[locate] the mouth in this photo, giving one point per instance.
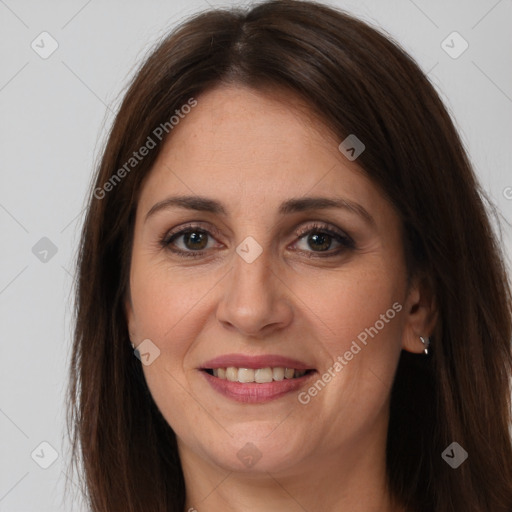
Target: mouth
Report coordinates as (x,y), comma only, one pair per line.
(256,379)
(256,375)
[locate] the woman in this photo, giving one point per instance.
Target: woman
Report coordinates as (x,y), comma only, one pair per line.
(287,230)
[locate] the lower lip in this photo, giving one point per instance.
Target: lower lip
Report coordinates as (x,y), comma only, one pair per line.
(254,392)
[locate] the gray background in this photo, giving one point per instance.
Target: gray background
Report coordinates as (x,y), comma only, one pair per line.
(54,115)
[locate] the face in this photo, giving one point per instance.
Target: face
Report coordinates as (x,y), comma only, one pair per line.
(279,319)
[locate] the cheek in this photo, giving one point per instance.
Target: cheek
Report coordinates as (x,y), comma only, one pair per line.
(169,311)
(167,303)
(348,304)
(360,321)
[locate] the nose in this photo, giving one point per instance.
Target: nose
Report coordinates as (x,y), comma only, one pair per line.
(255,301)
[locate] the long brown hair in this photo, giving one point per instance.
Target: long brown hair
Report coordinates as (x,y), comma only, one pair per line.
(359,81)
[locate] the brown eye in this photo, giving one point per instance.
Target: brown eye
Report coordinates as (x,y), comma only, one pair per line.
(191,241)
(320,241)
(320,238)
(195,240)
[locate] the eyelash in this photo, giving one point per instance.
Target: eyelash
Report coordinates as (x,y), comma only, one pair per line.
(344,240)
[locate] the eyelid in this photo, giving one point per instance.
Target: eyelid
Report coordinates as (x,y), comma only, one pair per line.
(325,228)
(193,225)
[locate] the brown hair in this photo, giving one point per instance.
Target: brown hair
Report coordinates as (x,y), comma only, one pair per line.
(357,81)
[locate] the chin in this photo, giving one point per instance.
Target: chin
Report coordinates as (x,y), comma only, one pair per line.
(255,452)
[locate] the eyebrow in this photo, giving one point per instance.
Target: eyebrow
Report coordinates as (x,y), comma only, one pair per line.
(301,204)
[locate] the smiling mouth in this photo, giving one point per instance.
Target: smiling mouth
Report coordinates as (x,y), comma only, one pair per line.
(257,375)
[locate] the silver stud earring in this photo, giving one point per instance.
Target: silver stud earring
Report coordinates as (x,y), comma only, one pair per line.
(426,343)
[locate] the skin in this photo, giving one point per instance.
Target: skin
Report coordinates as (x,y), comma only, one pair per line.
(251,151)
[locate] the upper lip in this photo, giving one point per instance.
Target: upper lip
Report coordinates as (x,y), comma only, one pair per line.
(254,362)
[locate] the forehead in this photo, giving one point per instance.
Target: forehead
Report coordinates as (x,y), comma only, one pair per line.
(242,145)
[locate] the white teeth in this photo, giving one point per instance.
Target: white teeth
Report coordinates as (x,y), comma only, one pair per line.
(278,373)
(232,374)
(245,375)
(260,375)
(263,375)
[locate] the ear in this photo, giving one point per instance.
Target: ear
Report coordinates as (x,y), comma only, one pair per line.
(421,314)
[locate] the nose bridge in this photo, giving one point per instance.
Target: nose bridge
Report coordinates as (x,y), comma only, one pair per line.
(253,297)
(251,279)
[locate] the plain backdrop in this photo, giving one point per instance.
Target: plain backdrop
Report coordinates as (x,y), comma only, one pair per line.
(55,112)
